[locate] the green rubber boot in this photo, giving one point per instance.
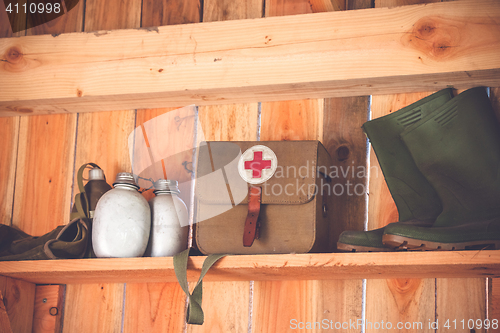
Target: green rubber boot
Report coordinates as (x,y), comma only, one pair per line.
(416,200)
(457,148)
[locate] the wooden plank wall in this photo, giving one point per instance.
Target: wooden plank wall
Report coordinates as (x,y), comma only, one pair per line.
(39,156)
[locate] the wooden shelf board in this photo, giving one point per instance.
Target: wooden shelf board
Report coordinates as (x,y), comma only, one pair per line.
(347,53)
(325,266)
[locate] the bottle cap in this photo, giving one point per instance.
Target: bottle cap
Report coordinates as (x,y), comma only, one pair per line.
(166,185)
(125,178)
(96,174)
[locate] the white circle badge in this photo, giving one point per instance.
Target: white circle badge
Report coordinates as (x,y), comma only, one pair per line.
(257,164)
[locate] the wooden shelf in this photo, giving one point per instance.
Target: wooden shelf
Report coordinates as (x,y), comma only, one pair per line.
(326,266)
(347,53)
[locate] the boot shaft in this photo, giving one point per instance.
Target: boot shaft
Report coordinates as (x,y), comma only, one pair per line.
(457,148)
(414,196)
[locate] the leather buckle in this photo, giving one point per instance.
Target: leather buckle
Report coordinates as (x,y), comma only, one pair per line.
(251,231)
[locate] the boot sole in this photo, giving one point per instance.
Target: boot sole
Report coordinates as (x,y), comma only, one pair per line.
(359,248)
(404,243)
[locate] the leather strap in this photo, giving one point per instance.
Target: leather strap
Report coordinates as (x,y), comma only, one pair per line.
(194,311)
(250,232)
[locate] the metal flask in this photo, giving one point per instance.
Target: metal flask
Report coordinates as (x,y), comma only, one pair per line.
(95,188)
(122,221)
(169,227)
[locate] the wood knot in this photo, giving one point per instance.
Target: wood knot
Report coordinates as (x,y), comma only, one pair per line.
(342,153)
(426,30)
(79,93)
(14,55)
(403,286)
(14,60)
(16,293)
(437,38)
(20,109)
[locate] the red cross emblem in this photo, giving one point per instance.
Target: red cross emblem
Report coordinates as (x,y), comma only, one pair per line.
(257,164)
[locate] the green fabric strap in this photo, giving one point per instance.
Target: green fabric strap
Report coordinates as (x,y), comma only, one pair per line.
(82,196)
(194,312)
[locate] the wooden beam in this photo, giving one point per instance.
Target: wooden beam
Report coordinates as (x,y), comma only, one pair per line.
(372,51)
(324,266)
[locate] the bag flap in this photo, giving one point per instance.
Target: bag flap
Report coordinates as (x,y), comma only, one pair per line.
(222,166)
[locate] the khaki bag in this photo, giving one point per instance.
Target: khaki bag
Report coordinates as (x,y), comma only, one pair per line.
(263,197)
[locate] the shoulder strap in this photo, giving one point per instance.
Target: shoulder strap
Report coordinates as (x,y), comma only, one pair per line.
(194,312)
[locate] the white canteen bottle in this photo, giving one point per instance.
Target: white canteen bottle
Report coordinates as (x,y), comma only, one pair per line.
(169,227)
(122,221)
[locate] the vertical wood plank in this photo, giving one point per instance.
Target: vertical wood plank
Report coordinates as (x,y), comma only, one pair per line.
(494,303)
(494,284)
(8,151)
(154,307)
(358,4)
(460,299)
(4,317)
(19,300)
(44,172)
(226,304)
(291,120)
(103,139)
(5,28)
(396,3)
(112,14)
(236,122)
(48,308)
(294,7)
(346,143)
(225,307)
(165,12)
(69,22)
(93,308)
(279,306)
(223,10)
